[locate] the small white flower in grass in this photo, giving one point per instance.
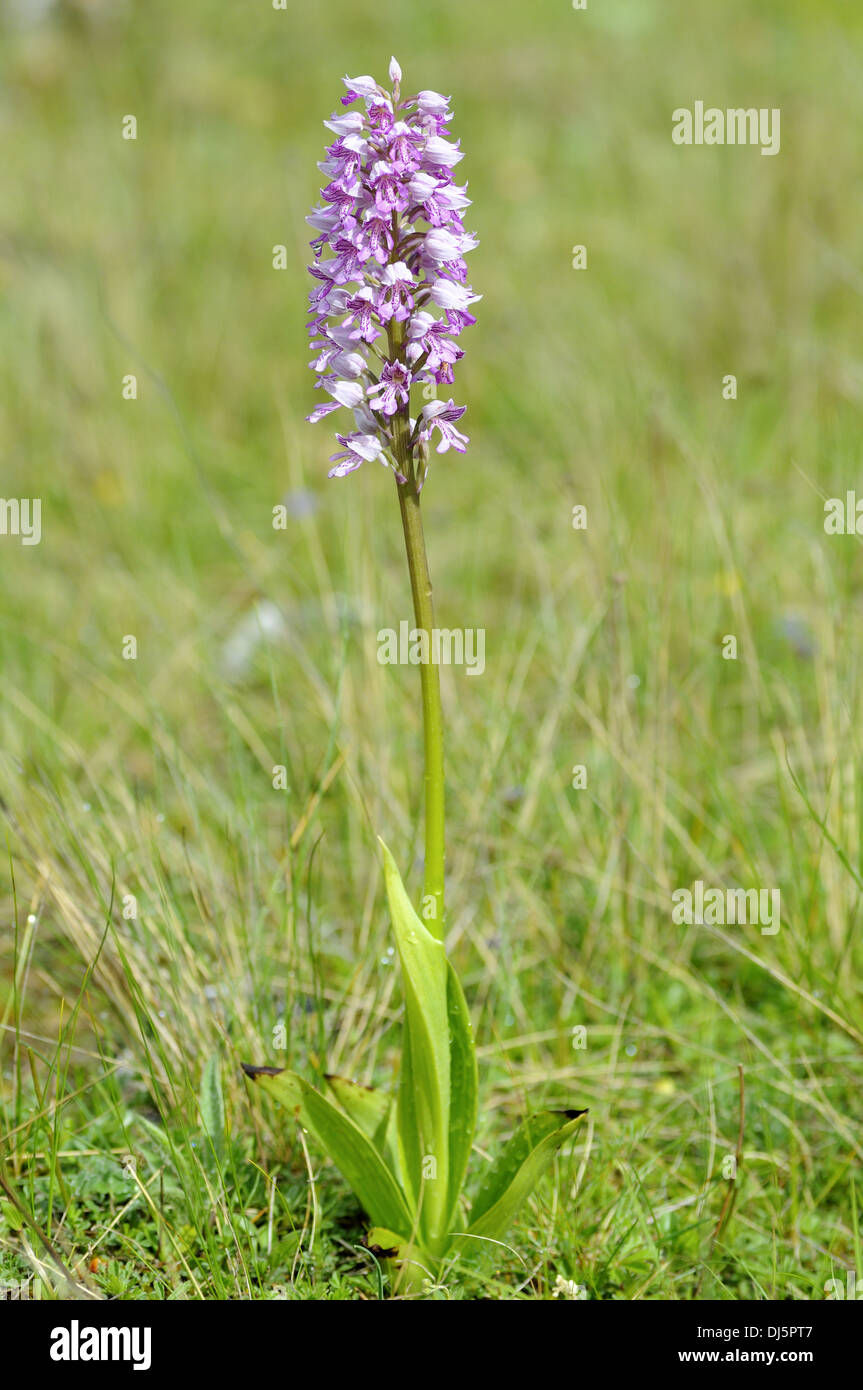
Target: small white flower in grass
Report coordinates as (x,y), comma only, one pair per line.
(567,1288)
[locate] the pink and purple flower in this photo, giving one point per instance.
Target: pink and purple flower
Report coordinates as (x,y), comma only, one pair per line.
(389,250)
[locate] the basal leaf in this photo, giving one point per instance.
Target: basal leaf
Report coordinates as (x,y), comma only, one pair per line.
(351,1150)
(463,1088)
(518,1169)
(501,1171)
(424,1084)
(374,1112)
(407,1126)
(367,1107)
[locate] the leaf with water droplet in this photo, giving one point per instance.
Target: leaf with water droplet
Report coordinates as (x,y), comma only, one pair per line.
(518,1168)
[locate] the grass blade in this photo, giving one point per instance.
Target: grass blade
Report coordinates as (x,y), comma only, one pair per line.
(212,1107)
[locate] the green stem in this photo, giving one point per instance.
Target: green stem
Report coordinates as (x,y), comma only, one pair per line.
(421,590)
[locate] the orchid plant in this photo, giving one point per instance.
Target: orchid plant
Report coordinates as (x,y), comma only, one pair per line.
(391,223)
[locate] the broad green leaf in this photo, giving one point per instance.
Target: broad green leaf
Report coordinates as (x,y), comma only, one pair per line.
(407,1125)
(212,1107)
(463,1088)
(375,1114)
(518,1169)
(351,1150)
(367,1107)
(501,1171)
(424,1084)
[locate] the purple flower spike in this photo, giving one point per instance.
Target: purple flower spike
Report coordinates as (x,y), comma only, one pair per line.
(390,289)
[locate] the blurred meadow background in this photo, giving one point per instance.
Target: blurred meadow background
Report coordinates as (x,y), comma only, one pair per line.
(129,1140)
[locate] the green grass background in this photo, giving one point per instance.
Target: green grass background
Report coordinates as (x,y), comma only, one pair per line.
(602,387)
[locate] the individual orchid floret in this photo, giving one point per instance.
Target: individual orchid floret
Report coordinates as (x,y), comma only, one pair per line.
(389,191)
(433,104)
(448,295)
(359,448)
(361,307)
(394,388)
(429,343)
(390,295)
(440,153)
(396,300)
(440,417)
